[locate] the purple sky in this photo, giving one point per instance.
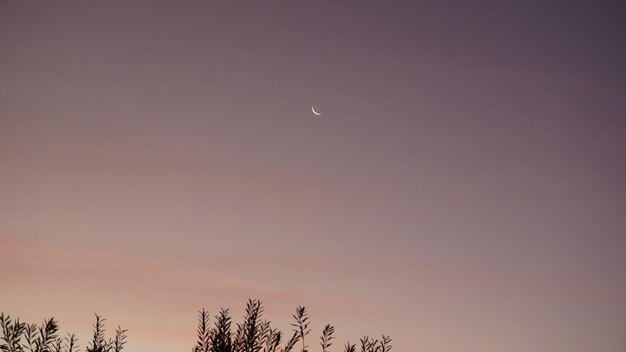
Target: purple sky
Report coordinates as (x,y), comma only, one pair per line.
(464,189)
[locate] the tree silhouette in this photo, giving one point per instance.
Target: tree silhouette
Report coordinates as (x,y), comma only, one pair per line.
(253,334)
(20,337)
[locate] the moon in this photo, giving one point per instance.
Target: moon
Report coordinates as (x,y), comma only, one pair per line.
(315,112)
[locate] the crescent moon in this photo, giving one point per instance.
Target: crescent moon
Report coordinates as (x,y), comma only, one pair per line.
(315,112)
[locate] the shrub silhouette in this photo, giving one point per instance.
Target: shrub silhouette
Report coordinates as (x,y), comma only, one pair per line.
(20,337)
(253,334)
(98,342)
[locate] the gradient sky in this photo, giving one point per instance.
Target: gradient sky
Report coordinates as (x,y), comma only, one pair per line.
(464,189)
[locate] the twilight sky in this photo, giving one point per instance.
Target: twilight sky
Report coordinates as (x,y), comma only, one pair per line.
(464,189)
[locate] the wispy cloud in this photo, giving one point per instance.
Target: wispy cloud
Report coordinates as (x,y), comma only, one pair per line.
(39,261)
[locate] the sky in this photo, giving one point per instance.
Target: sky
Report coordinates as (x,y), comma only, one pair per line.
(463,190)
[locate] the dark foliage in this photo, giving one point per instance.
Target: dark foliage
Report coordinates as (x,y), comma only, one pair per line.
(20,337)
(253,334)
(327,336)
